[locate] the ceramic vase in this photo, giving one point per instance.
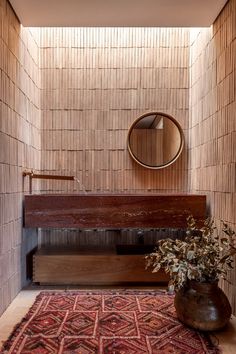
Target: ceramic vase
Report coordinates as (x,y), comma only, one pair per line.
(202,306)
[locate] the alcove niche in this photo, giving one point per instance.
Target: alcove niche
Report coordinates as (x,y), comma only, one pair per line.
(68,98)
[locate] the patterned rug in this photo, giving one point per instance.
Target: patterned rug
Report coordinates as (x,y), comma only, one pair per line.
(105,322)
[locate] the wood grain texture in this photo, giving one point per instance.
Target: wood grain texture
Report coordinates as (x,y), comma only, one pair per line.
(112,211)
(71,268)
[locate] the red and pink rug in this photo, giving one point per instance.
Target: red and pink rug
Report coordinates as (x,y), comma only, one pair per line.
(105,322)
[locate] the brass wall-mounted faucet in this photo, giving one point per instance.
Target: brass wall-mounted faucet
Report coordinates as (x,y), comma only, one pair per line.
(32,175)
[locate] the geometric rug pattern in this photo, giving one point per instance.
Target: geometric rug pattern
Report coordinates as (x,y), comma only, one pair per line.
(105,322)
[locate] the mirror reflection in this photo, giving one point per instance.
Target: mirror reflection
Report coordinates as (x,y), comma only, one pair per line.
(155,140)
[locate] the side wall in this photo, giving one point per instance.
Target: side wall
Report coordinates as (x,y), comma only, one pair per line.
(212,135)
(19,146)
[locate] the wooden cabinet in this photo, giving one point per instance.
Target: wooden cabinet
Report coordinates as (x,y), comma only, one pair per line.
(92,267)
(95,211)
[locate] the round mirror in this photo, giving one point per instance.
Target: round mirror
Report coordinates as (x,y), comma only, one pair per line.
(155,140)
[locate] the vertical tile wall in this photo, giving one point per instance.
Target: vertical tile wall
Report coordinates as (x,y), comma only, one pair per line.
(95,83)
(212,134)
(19,145)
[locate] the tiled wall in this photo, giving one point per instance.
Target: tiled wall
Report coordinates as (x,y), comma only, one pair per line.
(19,145)
(95,83)
(212,135)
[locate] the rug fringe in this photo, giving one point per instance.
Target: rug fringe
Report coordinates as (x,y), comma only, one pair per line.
(16,329)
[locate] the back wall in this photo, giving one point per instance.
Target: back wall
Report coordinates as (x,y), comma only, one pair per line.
(95,83)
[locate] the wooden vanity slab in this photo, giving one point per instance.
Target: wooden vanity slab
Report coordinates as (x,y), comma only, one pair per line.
(112,210)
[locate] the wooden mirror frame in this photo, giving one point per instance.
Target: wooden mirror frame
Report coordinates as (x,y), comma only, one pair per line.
(178,152)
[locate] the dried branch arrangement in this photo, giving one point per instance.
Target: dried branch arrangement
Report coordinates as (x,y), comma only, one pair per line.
(205,255)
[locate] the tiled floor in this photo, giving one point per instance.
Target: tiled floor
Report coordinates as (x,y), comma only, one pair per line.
(23,301)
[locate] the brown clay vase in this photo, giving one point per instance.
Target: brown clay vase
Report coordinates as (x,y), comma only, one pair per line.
(203,306)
